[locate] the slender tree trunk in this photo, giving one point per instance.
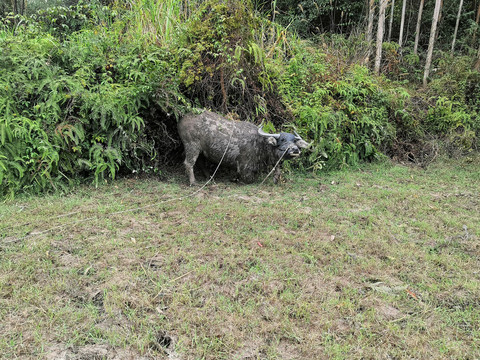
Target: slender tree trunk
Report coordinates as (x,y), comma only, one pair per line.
(371,14)
(431,42)
(391,21)
(274,3)
(380,30)
(456,25)
(332,15)
(417,31)
(439,22)
(342,13)
(14,7)
(402,23)
(477,20)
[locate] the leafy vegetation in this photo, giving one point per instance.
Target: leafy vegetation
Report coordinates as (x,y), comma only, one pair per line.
(94,89)
(72,106)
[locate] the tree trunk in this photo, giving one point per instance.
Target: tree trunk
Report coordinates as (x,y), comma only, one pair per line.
(371,14)
(14,7)
(402,23)
(431,42)
(439,22)
(380,30)
(417,31)
(274,5)
(456,25)
(332,15)
(391,21)
(477,20)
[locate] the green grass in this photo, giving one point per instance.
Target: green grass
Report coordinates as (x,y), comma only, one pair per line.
(380,262)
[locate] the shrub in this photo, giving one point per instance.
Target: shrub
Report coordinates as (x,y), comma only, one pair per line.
(347,117)
(452,121)
(70,108)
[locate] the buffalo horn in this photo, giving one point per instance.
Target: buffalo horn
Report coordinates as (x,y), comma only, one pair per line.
(298,137)
(263,133)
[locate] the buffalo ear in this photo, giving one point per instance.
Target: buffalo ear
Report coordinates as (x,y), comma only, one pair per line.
(272,141)
(302,144)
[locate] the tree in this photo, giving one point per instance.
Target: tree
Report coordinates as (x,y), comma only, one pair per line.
(380,30)
(402,23)
(15,6)
(431,42)
(391,21)
(439,22)
(417,31)
(371,14)
(456,25)
(477,19)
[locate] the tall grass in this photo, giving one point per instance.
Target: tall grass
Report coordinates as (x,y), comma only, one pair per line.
(160,20)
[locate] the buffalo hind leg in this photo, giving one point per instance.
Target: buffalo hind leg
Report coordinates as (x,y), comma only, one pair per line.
(203,165)
(191,156)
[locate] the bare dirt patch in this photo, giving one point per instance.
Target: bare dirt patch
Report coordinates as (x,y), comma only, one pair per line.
(91,352)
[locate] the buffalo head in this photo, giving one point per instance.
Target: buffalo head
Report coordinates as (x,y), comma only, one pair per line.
(285,144)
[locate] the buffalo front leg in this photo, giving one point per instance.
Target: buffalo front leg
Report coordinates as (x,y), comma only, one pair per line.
(191,156)
(278,172)
(245,172)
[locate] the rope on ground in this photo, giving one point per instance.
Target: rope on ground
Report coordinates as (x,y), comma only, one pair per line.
(270,173)
(96,217)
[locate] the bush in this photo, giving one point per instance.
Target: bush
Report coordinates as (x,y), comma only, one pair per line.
(70,108)
(347,117)
(452,121)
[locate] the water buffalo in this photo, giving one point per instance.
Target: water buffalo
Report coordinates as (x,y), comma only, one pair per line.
(243,146)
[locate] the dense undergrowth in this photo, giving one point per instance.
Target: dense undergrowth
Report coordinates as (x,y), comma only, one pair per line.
(91,91)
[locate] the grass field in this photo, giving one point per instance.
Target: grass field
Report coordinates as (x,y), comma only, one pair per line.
(377,263)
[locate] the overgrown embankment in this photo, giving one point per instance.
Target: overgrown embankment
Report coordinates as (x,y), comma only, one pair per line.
(91,91)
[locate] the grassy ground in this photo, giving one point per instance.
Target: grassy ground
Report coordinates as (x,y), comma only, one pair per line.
(382,262)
